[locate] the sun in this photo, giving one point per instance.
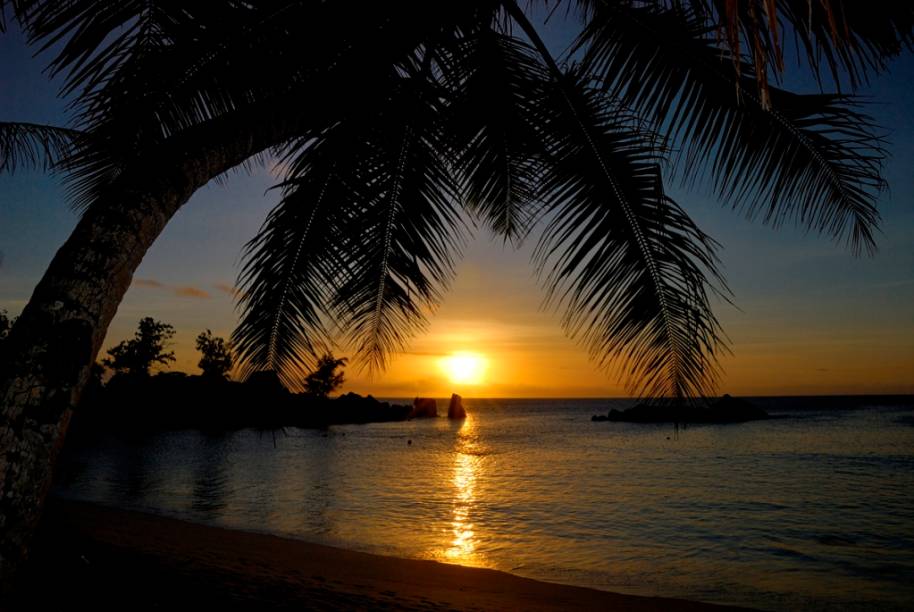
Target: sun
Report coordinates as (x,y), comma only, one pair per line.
(464,368)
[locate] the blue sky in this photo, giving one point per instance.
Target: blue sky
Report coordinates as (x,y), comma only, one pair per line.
(811,318)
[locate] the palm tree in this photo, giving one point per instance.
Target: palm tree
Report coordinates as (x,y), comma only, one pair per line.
(395,121)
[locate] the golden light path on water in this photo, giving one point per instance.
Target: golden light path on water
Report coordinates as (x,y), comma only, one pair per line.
(462,546)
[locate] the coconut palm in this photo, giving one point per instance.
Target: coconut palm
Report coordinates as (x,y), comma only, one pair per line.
(398,122)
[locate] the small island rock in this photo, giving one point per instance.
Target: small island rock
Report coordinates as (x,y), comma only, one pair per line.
(727,409)
(455,409)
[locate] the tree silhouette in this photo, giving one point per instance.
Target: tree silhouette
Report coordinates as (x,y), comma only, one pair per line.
(146,349)
(396,126)
(5,324)
(325,379)
(216,355)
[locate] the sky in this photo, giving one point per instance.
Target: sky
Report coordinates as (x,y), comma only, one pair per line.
(808,317)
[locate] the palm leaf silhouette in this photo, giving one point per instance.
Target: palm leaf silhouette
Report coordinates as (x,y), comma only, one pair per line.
(414,121)
(31,145)
(627,263)
(812,159)
(495,78)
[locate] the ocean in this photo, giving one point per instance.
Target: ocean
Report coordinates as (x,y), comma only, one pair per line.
(812,510)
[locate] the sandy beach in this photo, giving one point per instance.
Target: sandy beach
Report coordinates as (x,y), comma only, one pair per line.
(106,558)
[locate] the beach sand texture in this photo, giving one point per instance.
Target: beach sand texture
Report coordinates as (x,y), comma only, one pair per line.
(87,555)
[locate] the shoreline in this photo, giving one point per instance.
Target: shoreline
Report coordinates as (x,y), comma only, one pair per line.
(110,558)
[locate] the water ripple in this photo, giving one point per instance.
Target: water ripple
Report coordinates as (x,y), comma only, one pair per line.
(812,511)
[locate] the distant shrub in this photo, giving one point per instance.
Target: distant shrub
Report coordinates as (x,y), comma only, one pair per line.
(216,360)
(325,379)
(5,324)
(146,349)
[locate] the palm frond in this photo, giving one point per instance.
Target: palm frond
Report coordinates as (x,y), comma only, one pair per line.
(144,72)
(632,270)
(138,72)
(839,39)
(365,237)
(629,266)
(31,145)
(812,159)
(494,78)
(284,284)
(402,245)
(14,10)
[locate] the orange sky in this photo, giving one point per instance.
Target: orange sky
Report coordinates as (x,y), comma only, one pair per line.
(811,318)
(815,345)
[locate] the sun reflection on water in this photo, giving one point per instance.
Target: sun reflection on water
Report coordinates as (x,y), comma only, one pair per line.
(462,545)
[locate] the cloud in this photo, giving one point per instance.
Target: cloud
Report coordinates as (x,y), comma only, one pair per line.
(148,282)
(227,289)
(183,291)
(192,292)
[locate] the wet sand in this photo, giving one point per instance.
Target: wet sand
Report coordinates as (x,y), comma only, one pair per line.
(87,555)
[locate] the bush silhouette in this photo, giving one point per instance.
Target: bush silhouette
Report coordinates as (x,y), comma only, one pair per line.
(324,380)
(216,360)
(146,349)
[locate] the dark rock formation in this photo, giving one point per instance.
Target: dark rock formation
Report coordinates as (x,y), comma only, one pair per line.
(355,409)
(455,409)
(424,407)
(727,409)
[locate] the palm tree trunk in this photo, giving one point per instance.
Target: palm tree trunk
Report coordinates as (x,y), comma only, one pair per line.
(46,359)
(52,346)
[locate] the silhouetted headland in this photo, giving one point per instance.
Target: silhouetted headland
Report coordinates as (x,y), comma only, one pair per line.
(726,409)
(178,401)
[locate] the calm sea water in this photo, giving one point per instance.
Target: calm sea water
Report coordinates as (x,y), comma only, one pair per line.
(814,510)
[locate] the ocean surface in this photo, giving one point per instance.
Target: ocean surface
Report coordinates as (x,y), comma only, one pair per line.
(812,510)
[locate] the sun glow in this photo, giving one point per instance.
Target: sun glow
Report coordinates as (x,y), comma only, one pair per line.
(465,368)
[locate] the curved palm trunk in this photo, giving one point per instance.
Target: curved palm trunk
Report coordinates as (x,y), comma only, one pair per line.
(46,359)
(51,349)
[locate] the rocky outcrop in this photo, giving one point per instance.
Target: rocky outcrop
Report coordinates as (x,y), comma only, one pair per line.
(727,409)
(353,408)
(424,407)
(455,409)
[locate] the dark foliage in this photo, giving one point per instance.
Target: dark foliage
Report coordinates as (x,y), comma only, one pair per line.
(422,120)
(135,357)
(325,379)
(173,400)
(215,355)
(29,145)
(812,159)
(5,324)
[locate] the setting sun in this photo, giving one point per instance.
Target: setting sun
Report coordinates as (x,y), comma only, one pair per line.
(465,368)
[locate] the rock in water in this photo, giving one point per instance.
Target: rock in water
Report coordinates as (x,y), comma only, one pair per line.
(455,410)
(424,407)
(724,410)
(727,409)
